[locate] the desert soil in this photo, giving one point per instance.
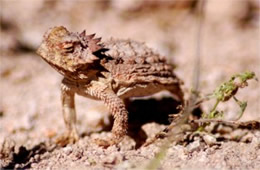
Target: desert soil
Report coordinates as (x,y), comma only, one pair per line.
(30,108)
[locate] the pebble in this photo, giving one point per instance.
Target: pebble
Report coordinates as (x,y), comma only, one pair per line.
(16,166)
(209,139)
(194,146)
(67,150)
(31,160)
(46,155)
(37,157)
(33,165)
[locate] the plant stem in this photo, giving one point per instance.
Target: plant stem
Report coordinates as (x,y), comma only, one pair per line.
(211,115)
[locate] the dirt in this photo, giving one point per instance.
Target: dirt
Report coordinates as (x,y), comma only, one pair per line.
(30,108)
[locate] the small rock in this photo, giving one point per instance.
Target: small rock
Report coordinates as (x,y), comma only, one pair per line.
(113,159)
(194,146)
(31,160)
(33,165)
(46,155)
(67,150)
(210,140)
(17,166)
(37,157)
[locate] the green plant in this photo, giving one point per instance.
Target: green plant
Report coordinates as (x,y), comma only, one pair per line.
(228,90)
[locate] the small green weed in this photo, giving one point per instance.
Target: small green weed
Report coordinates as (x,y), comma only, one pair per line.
(228,90)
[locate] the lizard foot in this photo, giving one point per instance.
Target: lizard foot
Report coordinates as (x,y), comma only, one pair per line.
(105,143)
(67,138)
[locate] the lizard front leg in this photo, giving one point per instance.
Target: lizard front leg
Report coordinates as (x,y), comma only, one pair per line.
(69,115)
(117,108)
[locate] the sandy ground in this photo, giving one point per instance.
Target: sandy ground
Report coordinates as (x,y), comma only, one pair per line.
(30,109)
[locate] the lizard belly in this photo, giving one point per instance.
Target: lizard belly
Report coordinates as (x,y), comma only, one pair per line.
(140,90)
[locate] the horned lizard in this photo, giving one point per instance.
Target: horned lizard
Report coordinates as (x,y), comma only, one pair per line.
(111,71)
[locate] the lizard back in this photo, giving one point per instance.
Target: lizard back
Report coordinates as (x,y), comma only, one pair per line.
(131,62)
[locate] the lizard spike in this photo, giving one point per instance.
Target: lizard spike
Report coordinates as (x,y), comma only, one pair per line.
(94,47)
(83,34)
(91,36)
(96,40)
(89,61)
(93,57)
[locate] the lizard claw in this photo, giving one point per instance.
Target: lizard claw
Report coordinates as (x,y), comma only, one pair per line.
(67,138)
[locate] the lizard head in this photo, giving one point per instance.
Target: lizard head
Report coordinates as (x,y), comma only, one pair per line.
(68,52)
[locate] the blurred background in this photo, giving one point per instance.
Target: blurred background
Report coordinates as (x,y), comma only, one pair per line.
(229,40)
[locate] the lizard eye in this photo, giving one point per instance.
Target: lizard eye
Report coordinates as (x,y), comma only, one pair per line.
(68,47)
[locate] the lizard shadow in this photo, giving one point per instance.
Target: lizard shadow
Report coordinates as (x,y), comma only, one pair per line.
(142,111)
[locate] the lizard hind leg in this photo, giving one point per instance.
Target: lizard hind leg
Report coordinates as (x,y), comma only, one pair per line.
(117,108)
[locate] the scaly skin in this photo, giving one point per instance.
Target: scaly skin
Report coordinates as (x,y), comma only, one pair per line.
(110,71)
